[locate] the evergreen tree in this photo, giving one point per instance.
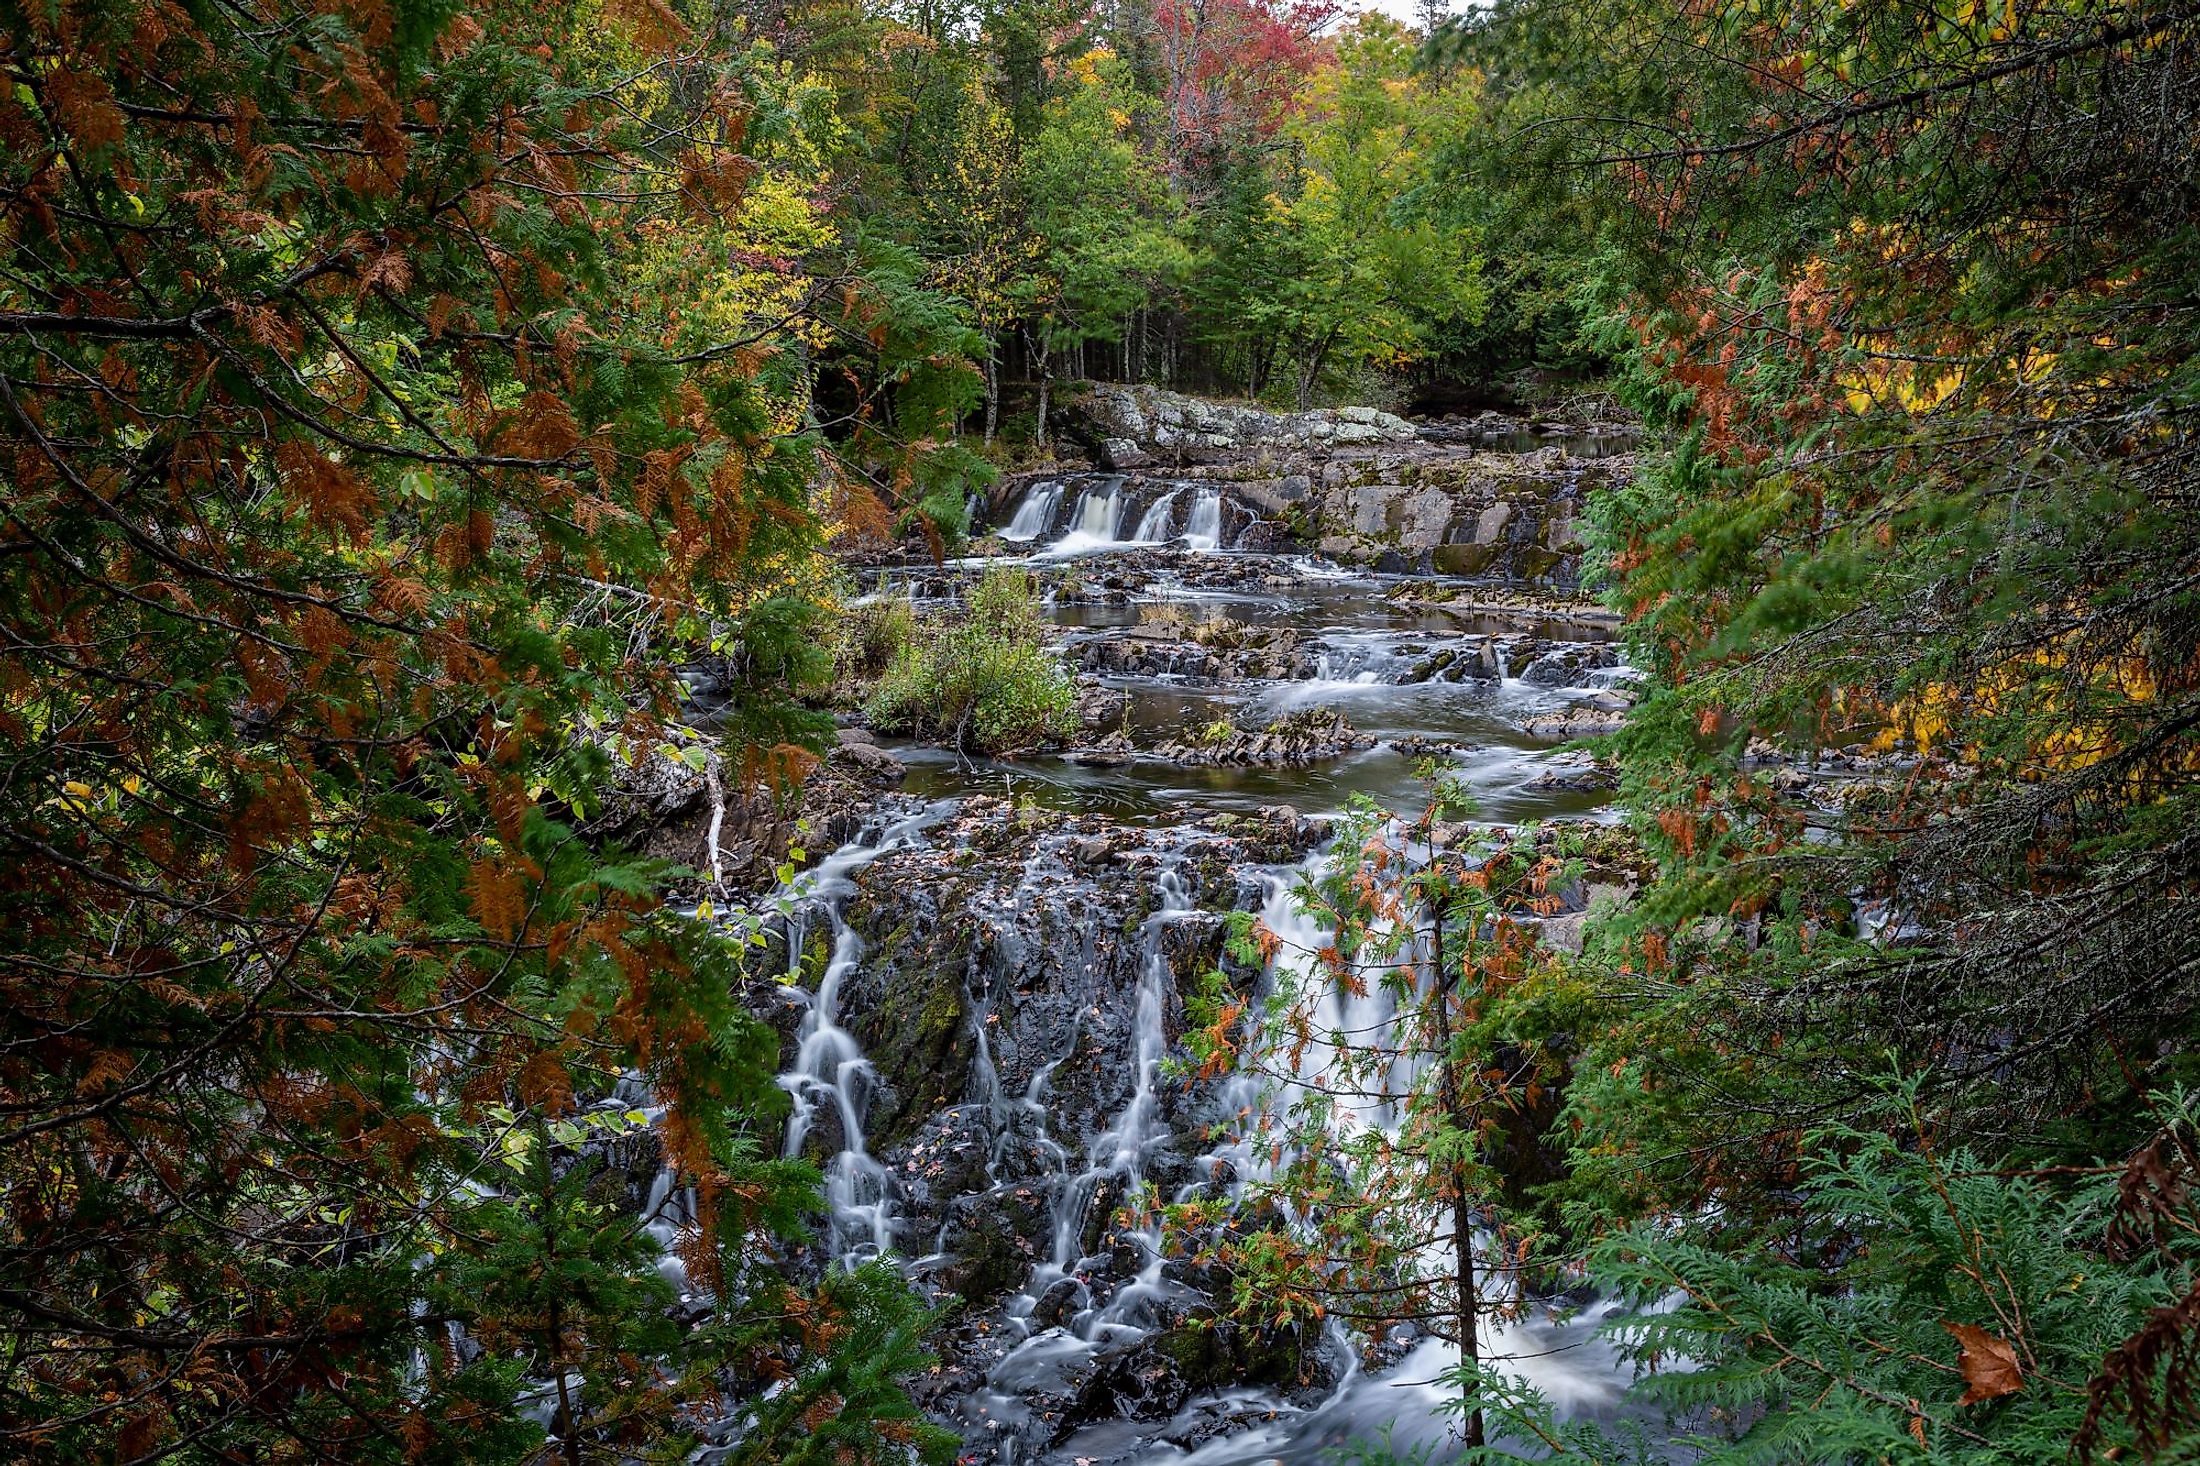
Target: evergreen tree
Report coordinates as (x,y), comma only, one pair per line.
(361,491)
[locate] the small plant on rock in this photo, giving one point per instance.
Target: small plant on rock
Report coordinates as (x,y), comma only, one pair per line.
(981,680)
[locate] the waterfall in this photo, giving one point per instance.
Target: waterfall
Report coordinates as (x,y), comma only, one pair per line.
(1346,664)
(1560,1353)
(1099,513)
(1115,1161)
(1035,515)
(1204,530)
(829,1067)
(668,1216)
(1153,527)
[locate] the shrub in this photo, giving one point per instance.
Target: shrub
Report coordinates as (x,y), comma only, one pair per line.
(872,636)
(981,680)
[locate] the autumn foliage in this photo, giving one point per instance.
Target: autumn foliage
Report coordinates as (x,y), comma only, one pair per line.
(350,505)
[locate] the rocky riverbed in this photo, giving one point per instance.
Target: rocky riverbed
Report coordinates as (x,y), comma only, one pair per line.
(991,967)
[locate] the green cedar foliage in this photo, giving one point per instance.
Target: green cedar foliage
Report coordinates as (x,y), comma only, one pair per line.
(1925,362)
(1922,1308)
(363,480)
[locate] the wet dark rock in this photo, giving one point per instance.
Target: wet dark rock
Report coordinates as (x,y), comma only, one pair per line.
(1267,537)
(1583,720)
(1274,834)
(1551,614)
(1113,751)
(1574,773)
(1299,738)
(1053,1308)
(1569,665)
(945,1160)
(995,1238)
(858,749)
(907,1007)
(1473,661)
(1117,584)
(1155,1377)
(1099,709)
(1220,650)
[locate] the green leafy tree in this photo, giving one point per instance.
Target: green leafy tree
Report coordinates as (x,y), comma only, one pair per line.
(1359,276)
(1107,222)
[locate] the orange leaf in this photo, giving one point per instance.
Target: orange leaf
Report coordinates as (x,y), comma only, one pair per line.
(1988,1364)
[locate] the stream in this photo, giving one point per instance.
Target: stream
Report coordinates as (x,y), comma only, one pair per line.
(1013,937)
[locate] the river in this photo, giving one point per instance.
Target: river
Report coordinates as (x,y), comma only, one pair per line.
(1052,975)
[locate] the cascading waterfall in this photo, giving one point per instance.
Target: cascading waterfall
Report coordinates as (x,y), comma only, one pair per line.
(668,1216)
(1035,515)
(1098,513)
(1153,525)
(1348,662)
(1095,521)
(830,1070)
(1026,1173)
(1115,1169)
(1121,1152)
(1203,531)
(1565,1357)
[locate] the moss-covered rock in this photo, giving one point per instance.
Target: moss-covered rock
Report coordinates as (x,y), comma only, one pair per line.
(917,1036)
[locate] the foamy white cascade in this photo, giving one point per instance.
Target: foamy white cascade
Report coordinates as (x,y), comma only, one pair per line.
(1153,525)
(1099,513)
(1035,515)
(830,1070)
(1203,531)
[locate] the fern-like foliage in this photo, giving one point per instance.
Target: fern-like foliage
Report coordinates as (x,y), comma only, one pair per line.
(1924,1308)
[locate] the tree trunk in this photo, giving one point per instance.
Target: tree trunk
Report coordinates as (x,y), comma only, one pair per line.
(1041,360)
(992,388)
(1462,1214)
(567,1427)
(1310,371)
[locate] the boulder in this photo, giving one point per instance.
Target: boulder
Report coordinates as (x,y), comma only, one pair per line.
(1304,737)
(995,1238)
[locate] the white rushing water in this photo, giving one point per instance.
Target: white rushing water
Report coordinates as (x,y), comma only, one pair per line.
(1203,531)
(1095,522)
(1035,515)
(1113,1175)
(830,1072)
(1562,1354)
(1097,1280)
(1153,525)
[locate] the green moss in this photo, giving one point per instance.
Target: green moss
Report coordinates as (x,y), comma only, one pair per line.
(918,1037)
(1463,559)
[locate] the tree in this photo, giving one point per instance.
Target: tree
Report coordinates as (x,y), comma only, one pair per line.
(1104,218)
(1358,275)
(361,492)
(1230,73)
(1904,294)
(1394,1078)
(1930,387)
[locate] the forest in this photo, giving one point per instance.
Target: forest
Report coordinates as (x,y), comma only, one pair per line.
(1086,732)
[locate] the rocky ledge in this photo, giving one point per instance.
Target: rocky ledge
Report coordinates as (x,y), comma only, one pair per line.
(1361,485)
(1304,737)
